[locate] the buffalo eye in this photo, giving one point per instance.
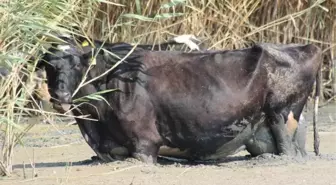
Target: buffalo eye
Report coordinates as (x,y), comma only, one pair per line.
(77,66)
(58,66)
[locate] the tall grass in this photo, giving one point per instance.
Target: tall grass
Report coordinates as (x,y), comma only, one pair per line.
(24,28)
(27,26)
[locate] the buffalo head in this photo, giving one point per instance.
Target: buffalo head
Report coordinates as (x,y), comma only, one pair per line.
(65,66)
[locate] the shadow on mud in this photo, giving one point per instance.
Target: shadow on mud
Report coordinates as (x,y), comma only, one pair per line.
(161,161)
(171,161)
(243,161)
(55,164)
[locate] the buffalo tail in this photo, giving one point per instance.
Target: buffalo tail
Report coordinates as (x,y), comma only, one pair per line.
(315,115)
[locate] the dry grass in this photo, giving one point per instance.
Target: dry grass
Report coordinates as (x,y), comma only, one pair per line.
(228,24)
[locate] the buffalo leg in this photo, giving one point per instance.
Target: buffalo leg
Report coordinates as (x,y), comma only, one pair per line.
(296,125)
(300,135)
(98,139)
(146,151)
(108,145)
(147,143)
(139,126)
(90,133)
(281,134)
(263,141)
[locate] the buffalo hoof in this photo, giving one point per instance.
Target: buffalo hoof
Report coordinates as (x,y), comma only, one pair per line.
(95,158)
(145,158)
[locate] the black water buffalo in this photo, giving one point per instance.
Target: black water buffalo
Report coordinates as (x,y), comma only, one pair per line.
(204,104)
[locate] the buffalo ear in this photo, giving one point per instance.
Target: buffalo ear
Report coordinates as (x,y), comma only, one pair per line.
(87,50)
(85,45)
(88,53)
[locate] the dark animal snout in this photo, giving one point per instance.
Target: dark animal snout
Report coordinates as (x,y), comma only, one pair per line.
(63,96)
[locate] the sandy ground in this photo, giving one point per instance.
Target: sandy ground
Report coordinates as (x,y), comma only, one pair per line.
(62,157)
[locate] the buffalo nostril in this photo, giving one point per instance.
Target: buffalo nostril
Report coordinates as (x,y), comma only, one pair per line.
(63,96)
(61,87)
(66,94)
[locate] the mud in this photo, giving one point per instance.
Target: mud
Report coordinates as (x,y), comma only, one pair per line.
(61,156)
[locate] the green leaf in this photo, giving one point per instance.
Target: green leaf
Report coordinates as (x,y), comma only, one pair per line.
(156,17)
(172,3)
(112,3)
(94,96)
(139,17)
(168,15)
(138,6)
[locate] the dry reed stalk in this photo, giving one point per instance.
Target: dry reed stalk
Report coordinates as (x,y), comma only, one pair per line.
(333,56)
(24,170)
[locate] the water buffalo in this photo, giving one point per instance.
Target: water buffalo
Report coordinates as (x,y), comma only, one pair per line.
(205,105)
